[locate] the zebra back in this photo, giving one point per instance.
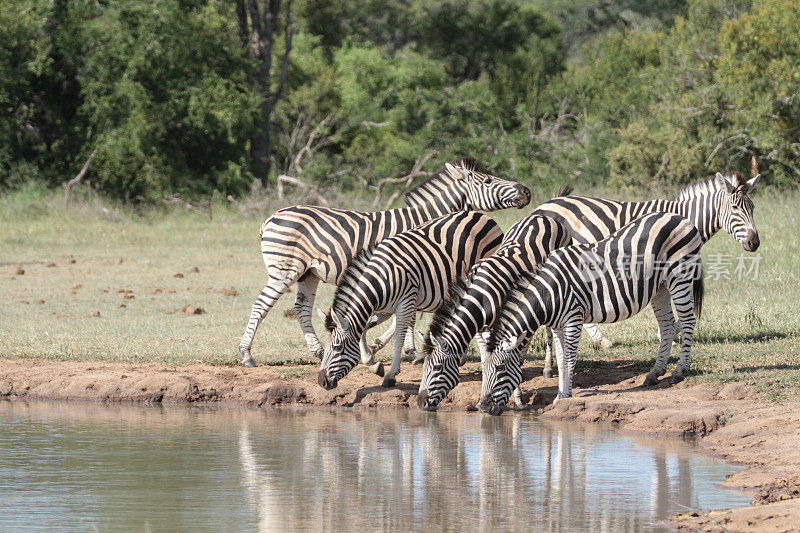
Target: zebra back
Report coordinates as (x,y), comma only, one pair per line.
(711,204)
(325,240)
(607,281)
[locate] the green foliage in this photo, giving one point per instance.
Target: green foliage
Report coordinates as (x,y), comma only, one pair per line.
(759,67)
(638,94)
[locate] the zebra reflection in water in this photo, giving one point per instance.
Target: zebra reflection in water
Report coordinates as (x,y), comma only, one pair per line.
(390,470)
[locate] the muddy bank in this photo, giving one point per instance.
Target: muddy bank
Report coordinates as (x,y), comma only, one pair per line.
(730,420)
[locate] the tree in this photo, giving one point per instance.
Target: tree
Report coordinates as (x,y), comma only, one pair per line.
(258,30)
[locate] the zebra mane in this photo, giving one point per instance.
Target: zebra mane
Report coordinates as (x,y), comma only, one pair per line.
(564,190)
(416,197)
(350,280)
(708,185)
(442,316)
(517,290)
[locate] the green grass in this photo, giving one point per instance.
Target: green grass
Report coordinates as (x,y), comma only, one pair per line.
(750,330)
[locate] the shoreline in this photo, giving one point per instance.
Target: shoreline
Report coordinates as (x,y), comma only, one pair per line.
(730,421)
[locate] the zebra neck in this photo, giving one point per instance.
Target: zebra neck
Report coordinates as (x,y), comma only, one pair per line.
(703,211)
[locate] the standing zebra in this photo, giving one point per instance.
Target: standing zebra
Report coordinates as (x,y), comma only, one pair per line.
(409,272)
(711,204)
(474,302)
(651,260)
(306,244)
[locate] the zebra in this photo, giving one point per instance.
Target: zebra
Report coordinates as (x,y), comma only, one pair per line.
(408,272)
(309,244)
(654,259)
(474,302)
(717,202)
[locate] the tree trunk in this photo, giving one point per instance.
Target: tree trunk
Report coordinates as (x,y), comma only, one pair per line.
(257,24)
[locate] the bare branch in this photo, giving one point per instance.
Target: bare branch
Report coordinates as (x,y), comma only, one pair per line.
(416,171)
(306,187)
(310,147)
(78,178)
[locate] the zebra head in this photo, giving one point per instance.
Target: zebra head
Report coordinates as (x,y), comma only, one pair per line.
(485,192)
(439,372)
(502,373)
(341,352)
(736,211)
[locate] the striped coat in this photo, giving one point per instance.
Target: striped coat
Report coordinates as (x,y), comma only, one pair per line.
(474,302)
(655,259)
(406,273)
(308,244)
(720,202)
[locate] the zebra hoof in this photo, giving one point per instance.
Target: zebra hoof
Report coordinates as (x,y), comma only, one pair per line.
(319,353)
(388,382)
(547,374)
(377,368)
(248,362)
(650,381)
(676,378)
(374,349)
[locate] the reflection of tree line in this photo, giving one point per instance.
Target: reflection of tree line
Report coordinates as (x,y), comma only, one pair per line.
(408,470)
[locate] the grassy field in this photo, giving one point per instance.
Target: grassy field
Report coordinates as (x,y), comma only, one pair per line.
(105,283)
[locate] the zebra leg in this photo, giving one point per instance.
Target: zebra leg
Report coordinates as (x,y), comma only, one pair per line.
(548,354)
(662,307)
(368,358)
(404,315)
(384,339)
(683,299)
(516,396)
(409,347)
(566,355)
(483,348)
(269,295)
(597,336)
(306,293)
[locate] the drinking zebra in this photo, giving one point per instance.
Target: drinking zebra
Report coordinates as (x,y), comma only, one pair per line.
(711,204)
(651,260)
(408,272)
(308,244)
(474,302)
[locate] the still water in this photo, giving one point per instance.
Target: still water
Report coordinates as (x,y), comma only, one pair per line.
(90,467)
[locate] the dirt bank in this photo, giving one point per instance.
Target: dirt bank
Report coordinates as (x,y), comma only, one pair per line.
(731,421)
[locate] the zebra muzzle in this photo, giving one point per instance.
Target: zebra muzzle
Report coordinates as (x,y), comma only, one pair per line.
(324,382)
(486,405)
(424,401)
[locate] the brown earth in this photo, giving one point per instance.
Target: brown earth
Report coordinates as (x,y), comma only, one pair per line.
(730,420)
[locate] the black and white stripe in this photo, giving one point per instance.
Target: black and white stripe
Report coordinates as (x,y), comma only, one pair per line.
(474,302)
(711,204)
(409,272)
(654,259)
(308,244)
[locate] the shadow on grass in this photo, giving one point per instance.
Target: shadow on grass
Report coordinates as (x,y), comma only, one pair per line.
(753,336)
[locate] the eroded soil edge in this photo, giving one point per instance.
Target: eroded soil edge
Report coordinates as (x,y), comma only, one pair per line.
(731,421)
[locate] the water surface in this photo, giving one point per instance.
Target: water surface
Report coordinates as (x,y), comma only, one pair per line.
(91,467)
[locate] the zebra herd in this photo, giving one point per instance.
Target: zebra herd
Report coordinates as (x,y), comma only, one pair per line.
(573,262)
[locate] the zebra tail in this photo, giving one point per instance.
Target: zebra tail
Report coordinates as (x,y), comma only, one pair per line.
(564,190)
(698,289)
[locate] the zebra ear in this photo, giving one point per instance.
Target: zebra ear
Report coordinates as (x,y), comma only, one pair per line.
(751,183)
(423,337)
(456,173)
(340,322)
(322,314)
(486,334)
(728,185)
(509,344)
